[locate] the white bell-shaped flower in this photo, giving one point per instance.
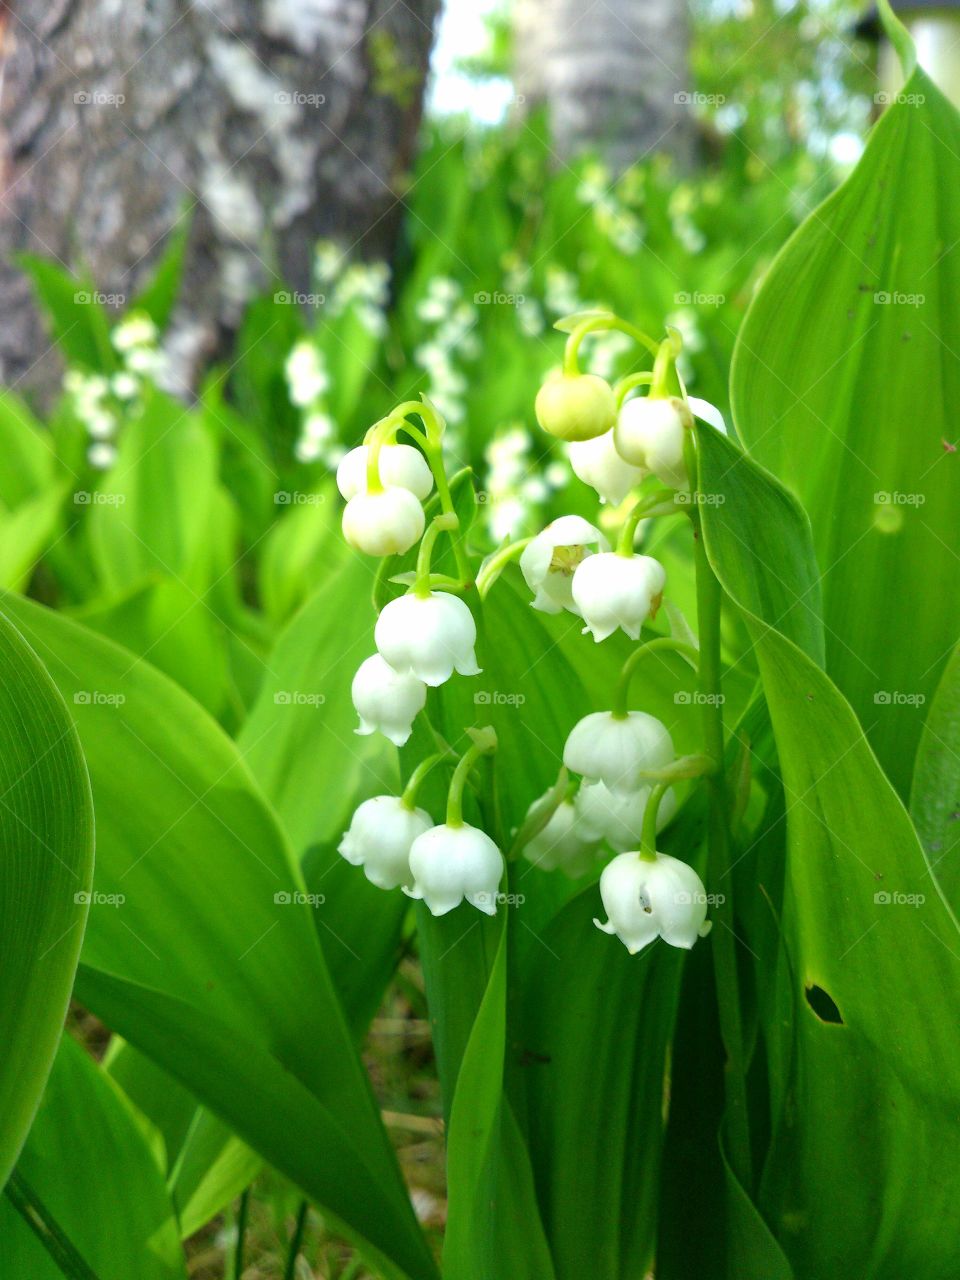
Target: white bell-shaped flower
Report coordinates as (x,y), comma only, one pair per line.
(650,433)
(562,844)
(400,466)
(429,637)
(707,412)
(549,562)
(379,839)
(386,701)
(617,816)
(453,864)
(597,463)
(646,899)
(611,590)
(615,749)
(385,523)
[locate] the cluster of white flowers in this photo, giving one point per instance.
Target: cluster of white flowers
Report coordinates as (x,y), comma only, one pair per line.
(102,403)
(613,217)
(449,321)
(615,791)
(515,483)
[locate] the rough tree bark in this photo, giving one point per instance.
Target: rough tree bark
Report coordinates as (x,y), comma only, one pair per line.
(269,122)
(613,74)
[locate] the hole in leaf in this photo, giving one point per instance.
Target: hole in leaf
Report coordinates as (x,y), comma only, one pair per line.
(823,1004)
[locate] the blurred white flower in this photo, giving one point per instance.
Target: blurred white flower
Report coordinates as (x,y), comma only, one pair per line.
(562,843)
(306,374)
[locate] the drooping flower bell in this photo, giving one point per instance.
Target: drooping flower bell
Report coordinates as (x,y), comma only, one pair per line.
(650,433)
(549,562)
(385,522)
(453,864)
(616,749)
(576,406)
(649,898)
(428,636)
(562,843)
(380,837)
(597,463)
(613,590)
(400,467)
(387,701)
(617,816)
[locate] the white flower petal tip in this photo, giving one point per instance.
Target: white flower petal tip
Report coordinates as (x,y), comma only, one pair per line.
(383,524)
(380,837)
(387,701)
(615,750)
(650,433)
(707,412)
(400,466)
(597,463)
(549,562)
(563,844)
(611,591)
(645,900)
(450,865)
(428,637)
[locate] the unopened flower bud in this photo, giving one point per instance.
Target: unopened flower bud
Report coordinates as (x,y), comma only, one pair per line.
(576,406)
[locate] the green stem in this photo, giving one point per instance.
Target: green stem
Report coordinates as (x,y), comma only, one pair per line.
(594,324)
(643,507)
(409,797)
(297,1240)
(484,742)
(709,604)
(660,645)
(47,1230)
(238,1251)
(446,523)
(495,564)
(648,835)
(623,388)
(666,355)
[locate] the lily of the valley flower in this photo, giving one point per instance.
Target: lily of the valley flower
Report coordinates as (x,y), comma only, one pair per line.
(563,843)
(613,590)
(617,816)
(381,833)
(576,406)
(646,899)
(452,864)
(428,636)
(386,701)
(650,433)
(387,522)
(400,466)
(597,463)
(549,562)
(615,750)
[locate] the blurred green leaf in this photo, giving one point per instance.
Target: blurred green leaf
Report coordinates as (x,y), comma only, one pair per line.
(935,794)
(77,320)
(46,869)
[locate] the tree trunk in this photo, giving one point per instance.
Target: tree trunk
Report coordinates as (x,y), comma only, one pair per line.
(613,74)
(269,124)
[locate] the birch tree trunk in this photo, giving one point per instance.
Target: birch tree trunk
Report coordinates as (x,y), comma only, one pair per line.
(613,73)
(269,123)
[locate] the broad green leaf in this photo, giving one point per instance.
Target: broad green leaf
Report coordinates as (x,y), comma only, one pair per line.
(26,452)
(935,795)
(202,953)
(301,745)
(77,319)
(844,385)
(159,295)
(89,1163)
(860,1171)
(25,534)
(46,870)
